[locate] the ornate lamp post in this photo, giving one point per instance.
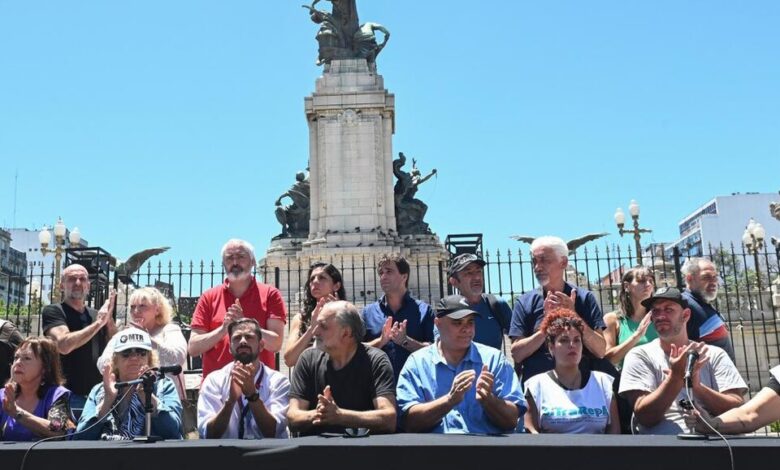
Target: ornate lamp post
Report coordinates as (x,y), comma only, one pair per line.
(753,239)
(620,220)
(44,237)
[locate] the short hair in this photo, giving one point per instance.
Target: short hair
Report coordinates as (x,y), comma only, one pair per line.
(692,266)
(72,267)
(347,315)
(243,244)
(45,349)
(626,305)
(400,263)
(156,298)
(245,321)
(558,321)
(557,244)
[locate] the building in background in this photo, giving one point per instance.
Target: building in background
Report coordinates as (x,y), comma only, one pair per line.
(722,221)
(13,272)
(39,266)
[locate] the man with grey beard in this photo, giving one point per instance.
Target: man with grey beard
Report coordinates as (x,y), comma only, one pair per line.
(238,297)
(706,323)
(341,383)
(245,399)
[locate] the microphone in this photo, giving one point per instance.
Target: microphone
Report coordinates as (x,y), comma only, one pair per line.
(693,356)
(174,370)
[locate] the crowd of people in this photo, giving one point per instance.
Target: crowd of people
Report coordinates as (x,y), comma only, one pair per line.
(397,365)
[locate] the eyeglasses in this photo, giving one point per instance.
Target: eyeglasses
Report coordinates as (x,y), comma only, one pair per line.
(127,353)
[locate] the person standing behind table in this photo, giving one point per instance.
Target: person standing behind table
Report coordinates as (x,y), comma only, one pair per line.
(397,323)
(80,333)
(323,284)
(152,312)
(706,323)
(567,399)
(550,257)
(466,274)
(238,297)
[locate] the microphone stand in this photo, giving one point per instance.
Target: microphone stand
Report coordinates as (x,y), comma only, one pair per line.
(688,405)
(148,382)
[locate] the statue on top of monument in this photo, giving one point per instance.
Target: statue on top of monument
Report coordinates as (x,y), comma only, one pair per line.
(295,216)
(409,211)
(341,36)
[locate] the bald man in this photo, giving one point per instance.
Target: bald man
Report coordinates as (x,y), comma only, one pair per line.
(81,333)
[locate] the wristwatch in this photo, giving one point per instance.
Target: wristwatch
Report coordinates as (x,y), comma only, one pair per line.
(405,343)
(253,397)
(19,415)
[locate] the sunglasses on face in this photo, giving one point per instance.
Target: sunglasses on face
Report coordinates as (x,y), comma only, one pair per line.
(127,353)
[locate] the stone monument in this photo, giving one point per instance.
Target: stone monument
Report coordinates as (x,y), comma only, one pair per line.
(356,212)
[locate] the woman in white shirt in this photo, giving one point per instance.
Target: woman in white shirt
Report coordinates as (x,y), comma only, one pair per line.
(565,399)
(152,312)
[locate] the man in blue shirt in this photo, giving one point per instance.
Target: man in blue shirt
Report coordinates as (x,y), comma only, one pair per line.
(456,385)
(550,256)
(706,324)
(397,323)
(466,274)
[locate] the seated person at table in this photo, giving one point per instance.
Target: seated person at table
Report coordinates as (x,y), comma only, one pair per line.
(762,410)
(653,376)
(112,414)
(566,399)
(341,383)
(245,399)
(35,404)
(457,385)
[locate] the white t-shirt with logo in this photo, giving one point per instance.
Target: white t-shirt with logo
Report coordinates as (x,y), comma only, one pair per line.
(581,411)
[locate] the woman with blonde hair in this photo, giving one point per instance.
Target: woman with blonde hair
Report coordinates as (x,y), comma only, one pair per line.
(152,312)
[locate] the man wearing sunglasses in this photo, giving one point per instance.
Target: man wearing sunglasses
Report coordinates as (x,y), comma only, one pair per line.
(245,399)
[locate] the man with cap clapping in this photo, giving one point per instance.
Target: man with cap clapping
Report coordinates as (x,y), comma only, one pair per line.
(457,385)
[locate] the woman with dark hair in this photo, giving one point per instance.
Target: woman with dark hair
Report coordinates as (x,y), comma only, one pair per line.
(35,404)
(323,284)
(630,325)
(567,399)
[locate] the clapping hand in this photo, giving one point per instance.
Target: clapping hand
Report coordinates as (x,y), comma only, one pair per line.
(9,402)
(327,411)
(485,385)
(460,385)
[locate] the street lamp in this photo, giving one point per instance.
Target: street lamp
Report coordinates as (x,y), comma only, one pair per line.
(753,239)
(620,220)
(44,237)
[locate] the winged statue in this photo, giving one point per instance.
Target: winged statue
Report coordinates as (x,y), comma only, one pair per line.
(573,244)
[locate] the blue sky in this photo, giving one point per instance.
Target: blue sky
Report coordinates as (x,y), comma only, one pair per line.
(180,122)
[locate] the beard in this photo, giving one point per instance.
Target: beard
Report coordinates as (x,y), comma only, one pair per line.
(237,273)
(244,356)
(318,344)
(708,296)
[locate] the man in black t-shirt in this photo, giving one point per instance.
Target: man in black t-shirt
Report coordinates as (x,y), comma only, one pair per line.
(341,383)
(80,333)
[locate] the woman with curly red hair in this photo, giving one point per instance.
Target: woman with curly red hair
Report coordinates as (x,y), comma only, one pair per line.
(566,399)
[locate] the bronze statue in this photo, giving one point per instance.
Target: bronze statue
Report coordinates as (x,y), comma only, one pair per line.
(342,37)
(294,217)
(571,244)
(409,212)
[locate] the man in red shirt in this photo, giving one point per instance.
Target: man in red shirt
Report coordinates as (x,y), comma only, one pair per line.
(240,296)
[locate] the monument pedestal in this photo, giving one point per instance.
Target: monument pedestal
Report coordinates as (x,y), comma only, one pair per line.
(351,119)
